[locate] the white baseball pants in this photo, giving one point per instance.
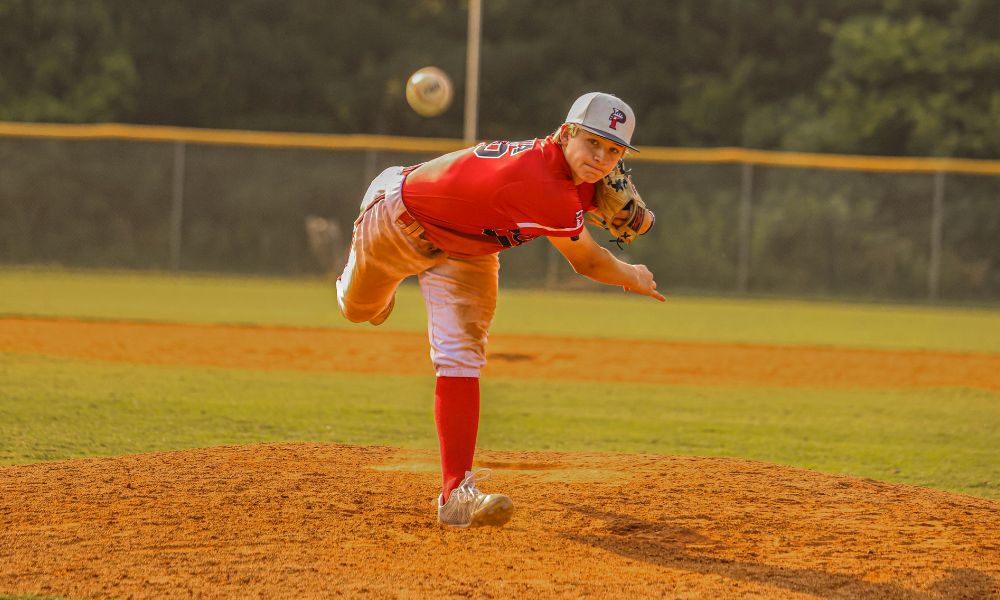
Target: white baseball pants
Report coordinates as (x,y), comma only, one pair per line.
(460,294)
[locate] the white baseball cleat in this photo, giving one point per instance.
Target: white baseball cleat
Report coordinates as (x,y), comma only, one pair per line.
(468,507)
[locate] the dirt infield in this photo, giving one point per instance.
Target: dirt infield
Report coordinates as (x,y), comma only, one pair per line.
(322,520)
(518,356)
(308,521)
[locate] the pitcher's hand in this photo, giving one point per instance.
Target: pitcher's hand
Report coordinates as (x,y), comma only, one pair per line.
(644,284)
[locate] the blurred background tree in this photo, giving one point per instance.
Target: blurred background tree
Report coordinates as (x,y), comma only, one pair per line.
(915,77)
(884,77)
(923,78)
(63,61)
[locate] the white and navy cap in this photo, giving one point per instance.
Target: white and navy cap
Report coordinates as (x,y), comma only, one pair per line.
(604,115)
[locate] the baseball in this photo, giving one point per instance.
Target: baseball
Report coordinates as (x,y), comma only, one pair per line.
(429,91)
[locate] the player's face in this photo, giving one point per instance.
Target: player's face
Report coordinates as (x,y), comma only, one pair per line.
(590,156)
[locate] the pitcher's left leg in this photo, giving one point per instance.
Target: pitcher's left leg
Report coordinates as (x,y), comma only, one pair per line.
(461,298)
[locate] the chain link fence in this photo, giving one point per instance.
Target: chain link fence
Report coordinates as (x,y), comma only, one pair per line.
(744,223)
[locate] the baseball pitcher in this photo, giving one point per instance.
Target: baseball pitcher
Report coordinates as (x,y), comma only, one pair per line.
(446,220)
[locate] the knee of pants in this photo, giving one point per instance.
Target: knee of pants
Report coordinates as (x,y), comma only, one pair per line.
(352,311)
(459,362)
(356,314)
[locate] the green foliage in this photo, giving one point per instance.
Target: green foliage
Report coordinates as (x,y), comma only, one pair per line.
(305,66)
(827,233)
(838,233)
(63,61)
(854,76)
(109,204)
(906,84)
(694,242)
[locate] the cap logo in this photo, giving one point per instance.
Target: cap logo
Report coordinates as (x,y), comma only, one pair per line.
(616,117)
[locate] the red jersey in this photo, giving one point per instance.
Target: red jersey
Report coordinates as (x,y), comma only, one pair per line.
(497,195)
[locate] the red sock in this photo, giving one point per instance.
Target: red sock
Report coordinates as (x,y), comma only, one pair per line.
(456,411)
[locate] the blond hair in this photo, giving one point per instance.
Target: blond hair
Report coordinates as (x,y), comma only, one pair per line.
(572,130)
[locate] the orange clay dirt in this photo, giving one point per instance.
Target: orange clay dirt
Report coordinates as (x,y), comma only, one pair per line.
(322,520)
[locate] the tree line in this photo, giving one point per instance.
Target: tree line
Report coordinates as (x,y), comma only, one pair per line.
(881,77)
(885,77)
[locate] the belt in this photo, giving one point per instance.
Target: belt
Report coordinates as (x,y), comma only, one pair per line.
(410,225)
(405,219)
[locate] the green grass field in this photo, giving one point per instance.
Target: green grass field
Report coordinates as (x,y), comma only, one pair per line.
(53,408)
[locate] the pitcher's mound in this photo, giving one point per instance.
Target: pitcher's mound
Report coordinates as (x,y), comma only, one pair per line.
(318,520)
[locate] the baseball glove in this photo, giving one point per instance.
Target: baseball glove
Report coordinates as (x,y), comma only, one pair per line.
(620,208)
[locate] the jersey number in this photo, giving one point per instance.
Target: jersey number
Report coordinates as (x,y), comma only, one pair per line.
(501,149)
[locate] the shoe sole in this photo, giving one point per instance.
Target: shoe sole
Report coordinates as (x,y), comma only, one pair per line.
(495,514)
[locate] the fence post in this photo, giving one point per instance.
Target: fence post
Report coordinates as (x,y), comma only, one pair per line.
(177,206)
(745,233)
(471,116)
(937,225)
